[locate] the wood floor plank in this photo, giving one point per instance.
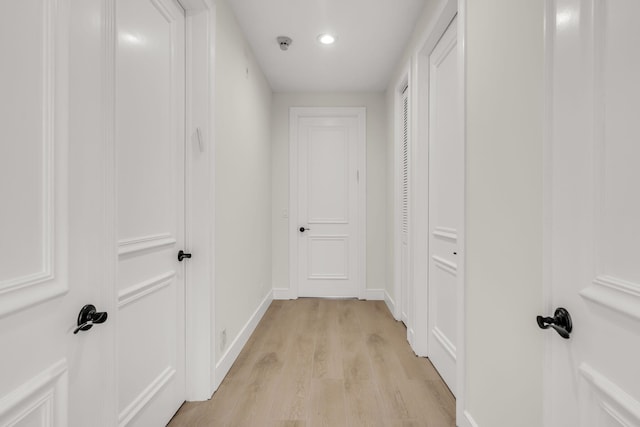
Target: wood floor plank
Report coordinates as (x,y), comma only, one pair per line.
(327,357)
(314,362)
(432,401)
(363,404)
(288,423)
(327,403)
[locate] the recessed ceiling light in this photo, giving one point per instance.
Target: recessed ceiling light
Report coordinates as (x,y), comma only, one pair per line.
(326,38)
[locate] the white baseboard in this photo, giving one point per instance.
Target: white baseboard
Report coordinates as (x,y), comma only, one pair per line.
(282,293)
(374,294)
(390,303)
(467,421)
(230,356)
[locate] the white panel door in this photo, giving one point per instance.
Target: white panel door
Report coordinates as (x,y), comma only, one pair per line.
(150,142)
(593,204)
(446,172)
(328,233)
(52,216)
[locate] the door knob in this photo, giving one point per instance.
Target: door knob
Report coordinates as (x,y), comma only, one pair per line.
(302,229)
(88,317)
(182,255)
(561,322)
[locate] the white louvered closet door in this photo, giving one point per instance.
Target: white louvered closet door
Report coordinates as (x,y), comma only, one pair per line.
(404,210)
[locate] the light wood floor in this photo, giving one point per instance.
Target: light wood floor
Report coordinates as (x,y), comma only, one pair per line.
(314,362)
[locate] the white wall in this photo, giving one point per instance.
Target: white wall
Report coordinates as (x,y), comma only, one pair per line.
(376,197)
(243,180)
(504,212)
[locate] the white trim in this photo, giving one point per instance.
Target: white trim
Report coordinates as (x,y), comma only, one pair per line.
(391,304)
(230,356)
(547,197)
(461,339)
(374,294)
(295,113)
(110,283)
(467,420)
(282,294)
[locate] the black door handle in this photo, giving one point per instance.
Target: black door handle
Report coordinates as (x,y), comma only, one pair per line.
(302,229)
(182,255)
(561,322)
(88,317)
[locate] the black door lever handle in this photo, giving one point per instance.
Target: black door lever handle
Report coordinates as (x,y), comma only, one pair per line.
(88,317)
(182,255)
(303,229)
(561,322)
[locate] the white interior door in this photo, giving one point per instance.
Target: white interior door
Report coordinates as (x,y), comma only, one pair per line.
(328,230)
(593,64)
(150,142)
(52,217)
(446,174)
(405,289)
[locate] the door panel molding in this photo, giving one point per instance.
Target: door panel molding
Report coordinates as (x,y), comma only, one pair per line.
(42,275)
(145,243)
(142,289)
(43,398)
(613,402)
(295,114)
(617,294)
(152,390)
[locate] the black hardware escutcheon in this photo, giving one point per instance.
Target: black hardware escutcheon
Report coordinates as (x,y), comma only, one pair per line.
(182,255)
(88,317)
(561,322)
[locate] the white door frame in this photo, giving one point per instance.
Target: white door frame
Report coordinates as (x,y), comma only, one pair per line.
(200,291)
(295,113)
(420,192)
(201,379)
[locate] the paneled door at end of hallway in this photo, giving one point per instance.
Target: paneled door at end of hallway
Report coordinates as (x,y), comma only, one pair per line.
(328,204)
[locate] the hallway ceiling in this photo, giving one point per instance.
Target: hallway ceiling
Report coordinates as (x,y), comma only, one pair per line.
(371,36)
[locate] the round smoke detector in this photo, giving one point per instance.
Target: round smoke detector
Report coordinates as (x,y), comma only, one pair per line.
(284,42)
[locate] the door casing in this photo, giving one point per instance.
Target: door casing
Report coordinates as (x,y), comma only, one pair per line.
(294,114)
